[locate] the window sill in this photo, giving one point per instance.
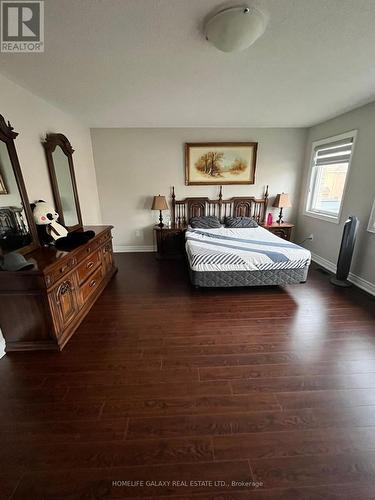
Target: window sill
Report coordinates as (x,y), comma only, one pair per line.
(327,218)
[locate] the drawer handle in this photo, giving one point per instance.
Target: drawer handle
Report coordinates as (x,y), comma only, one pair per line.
(89,265)
(92,283)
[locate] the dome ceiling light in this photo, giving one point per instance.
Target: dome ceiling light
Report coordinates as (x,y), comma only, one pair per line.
(235,28)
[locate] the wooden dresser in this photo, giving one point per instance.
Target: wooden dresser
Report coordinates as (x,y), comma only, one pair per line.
(42,308)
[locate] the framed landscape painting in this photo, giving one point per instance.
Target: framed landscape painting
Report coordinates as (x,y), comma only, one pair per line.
(220,163)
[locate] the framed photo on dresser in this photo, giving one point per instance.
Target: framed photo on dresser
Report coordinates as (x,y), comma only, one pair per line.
(220,163)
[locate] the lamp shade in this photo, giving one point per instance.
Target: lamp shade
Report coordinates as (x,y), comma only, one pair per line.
(282,201)
(159,203)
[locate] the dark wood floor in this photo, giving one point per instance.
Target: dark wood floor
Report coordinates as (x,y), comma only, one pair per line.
(271,386)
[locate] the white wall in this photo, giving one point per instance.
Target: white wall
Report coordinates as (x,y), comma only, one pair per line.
(133,165)
(32,118)
(358,199)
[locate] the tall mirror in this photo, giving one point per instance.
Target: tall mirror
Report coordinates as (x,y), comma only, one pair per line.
(59,154)
(17,228)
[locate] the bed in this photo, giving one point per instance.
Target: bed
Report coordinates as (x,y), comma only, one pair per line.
(229,257)
(243,257)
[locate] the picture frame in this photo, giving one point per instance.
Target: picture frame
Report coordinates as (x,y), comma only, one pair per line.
(371,222)
(220,163)
(3,189)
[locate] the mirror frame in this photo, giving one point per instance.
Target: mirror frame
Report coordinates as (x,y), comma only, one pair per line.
(7,135)
(51,142)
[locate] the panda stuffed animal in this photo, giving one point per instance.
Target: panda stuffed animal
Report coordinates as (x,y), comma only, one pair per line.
(50,232)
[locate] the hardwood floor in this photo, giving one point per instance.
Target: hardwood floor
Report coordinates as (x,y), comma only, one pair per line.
(197,392)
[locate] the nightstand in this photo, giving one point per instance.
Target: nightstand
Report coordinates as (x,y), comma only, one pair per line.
(170,242)
(283,230)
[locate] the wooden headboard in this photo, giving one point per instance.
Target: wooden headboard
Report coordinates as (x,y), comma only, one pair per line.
(240,206)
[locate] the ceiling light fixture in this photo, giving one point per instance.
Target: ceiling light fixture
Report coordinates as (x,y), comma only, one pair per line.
(236,28)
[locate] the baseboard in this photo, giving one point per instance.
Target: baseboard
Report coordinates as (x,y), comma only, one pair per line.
(365,285)
(133,248)
(327,264)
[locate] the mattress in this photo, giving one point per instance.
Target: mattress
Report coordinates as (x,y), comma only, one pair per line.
(277,277)
(242,249)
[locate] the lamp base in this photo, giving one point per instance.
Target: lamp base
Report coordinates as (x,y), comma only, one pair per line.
(280,219)
(161,224)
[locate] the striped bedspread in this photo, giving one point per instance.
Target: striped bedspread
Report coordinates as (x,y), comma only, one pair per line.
(245,249)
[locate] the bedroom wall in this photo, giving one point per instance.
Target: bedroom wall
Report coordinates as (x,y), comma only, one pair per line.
(358,199)
(134,164)
(32,118)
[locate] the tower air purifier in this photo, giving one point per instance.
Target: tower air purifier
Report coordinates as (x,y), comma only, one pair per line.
(349,235)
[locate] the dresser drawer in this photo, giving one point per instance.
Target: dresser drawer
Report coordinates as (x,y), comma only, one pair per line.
(60,271)
(284,233)
(106,237)
(90,286)
(88,266)
(283,230)
(90,247)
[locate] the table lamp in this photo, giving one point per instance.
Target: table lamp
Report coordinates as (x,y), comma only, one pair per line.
(281,201)
(160,203)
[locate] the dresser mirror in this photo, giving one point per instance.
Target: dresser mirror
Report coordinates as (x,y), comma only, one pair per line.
(59,155)
(17,227)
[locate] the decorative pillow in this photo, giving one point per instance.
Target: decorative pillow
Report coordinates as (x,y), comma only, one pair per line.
(240,222)
(205,222)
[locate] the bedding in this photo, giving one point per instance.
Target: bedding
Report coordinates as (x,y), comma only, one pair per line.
(205,222)
(242,249)
(240,222)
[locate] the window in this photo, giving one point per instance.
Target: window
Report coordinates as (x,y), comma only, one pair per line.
(329,171)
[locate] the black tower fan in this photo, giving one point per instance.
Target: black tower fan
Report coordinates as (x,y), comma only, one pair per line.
(349,235)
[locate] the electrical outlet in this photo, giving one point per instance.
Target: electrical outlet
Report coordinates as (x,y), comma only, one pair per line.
(310,237)
(137,233)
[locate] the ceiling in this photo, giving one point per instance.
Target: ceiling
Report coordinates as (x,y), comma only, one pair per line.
(145,63)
